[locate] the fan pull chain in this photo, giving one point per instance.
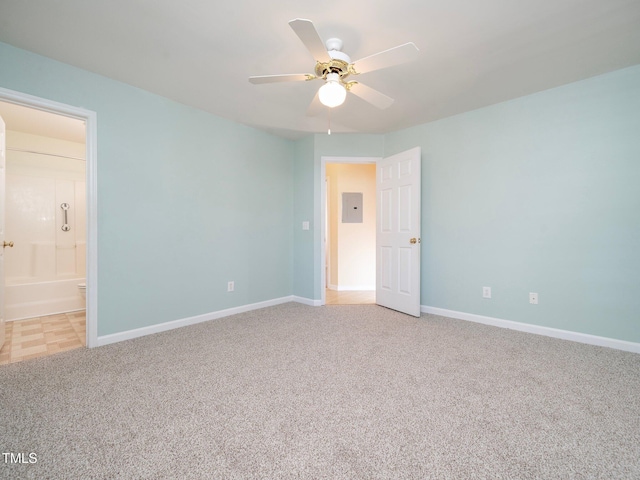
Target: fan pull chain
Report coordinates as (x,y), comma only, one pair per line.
(329,129)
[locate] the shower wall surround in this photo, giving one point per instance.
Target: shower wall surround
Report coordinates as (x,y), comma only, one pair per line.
(41,190)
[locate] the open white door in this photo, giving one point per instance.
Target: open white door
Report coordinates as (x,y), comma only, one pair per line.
(398,232)
(2,177)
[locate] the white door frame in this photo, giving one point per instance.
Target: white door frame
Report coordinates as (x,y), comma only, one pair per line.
(323,207)
(91,158)
(327,233)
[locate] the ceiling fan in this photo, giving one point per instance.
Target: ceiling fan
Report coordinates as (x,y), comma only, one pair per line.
(335,67)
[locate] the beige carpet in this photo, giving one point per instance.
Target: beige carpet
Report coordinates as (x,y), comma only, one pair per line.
(335,392)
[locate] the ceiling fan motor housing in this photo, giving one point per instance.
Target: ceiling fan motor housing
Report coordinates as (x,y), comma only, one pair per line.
(339,61)
(334,66)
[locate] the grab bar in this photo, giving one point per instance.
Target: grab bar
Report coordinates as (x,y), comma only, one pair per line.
(65,208)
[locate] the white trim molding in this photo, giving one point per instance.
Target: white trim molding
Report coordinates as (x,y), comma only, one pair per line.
(537,329)
(307,301)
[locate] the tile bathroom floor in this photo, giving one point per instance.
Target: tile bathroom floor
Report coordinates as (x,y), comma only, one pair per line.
(41,336)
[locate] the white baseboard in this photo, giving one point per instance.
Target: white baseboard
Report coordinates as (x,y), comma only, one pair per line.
(537,329)
(496,322)
(306,301)
(163,327)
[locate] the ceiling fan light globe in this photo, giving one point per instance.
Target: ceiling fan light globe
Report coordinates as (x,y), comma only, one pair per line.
(332,94)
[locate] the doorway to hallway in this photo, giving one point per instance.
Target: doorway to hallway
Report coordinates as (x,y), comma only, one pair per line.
(350,231)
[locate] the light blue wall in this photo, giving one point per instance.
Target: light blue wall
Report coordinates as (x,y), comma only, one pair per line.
(539,194)
(304,202)
(186,200)
(536,194)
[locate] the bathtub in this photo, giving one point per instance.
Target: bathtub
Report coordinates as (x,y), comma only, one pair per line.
(36,299)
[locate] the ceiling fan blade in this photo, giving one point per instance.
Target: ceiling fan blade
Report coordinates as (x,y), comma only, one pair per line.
(387,58)
(292,77)
(372,96)
(309,36)
(315,107)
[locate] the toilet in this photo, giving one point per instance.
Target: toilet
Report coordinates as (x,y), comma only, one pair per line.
(82,287)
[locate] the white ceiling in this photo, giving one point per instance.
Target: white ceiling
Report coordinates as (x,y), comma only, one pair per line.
(201,52)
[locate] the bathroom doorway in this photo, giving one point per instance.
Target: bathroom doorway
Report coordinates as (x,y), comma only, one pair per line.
(349,253)
(45,197)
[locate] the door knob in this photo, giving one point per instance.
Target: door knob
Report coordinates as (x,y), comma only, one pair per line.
(413,241)
(7,244)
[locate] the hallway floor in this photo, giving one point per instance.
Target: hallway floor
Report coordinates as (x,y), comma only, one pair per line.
(41,336)
(335,297)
